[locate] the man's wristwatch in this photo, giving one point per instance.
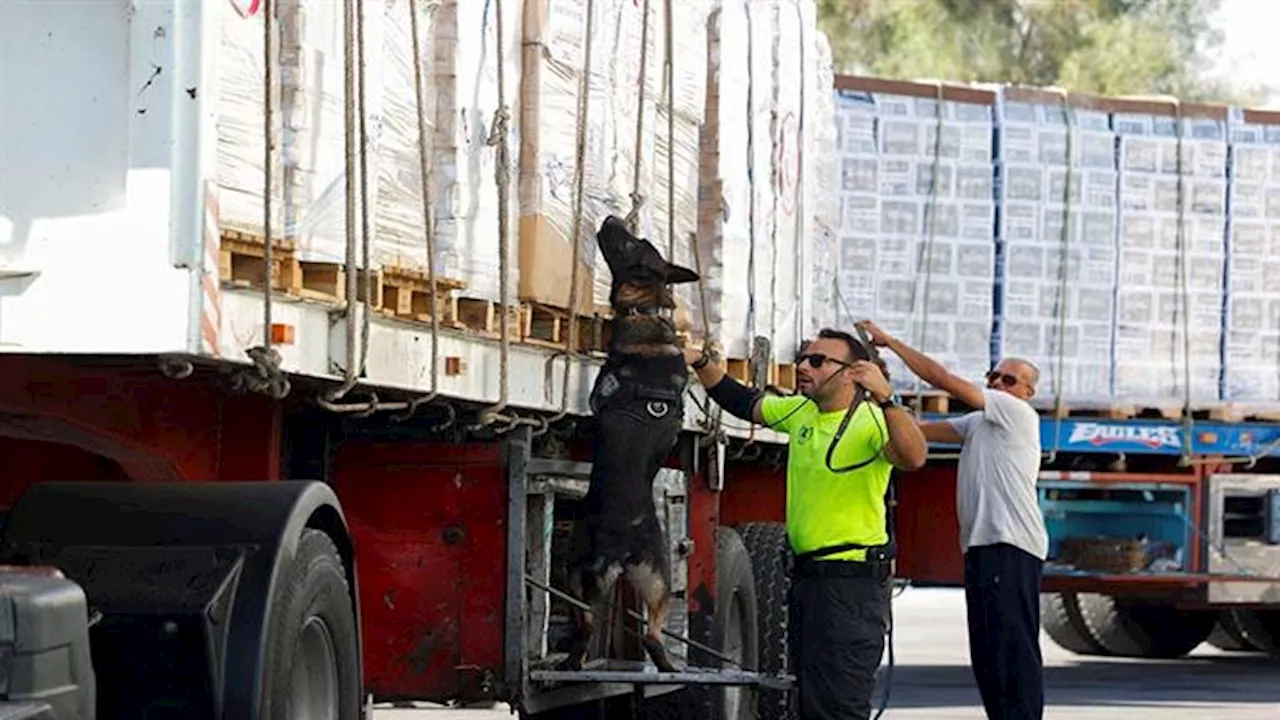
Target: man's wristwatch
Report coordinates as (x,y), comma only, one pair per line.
(701,362)
(893,401)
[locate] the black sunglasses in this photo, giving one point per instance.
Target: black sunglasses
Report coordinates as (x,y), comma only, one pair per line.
(817,360)
(1006,379)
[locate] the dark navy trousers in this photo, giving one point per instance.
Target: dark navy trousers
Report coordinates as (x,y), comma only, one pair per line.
(1002,595)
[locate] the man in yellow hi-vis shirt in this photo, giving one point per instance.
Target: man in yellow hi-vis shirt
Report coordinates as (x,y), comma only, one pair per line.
(840,455)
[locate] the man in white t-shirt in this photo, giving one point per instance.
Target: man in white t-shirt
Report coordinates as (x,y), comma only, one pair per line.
(1002,532)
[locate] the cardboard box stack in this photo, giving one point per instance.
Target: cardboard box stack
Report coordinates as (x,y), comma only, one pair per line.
(1166,236)
(458,41)
(1251,373)
(1033,129)
(759,181)
(463,74)
(555,49)
(308,176)
(892,209)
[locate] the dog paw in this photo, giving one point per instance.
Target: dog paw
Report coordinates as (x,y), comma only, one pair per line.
(658,654)
(573,663)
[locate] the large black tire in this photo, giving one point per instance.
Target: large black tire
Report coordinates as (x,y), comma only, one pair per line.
(1260,628)
(313,665)
(736,622)
(767,545)
(1228,634)
(1146,631)
(1061,620)
(733,633)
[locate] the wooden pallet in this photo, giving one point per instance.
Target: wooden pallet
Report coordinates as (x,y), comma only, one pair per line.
(1172,411)
(406,293)
(548,326)
(1244,412)
(779,375)
(930,401)
(483,317)
(242,259)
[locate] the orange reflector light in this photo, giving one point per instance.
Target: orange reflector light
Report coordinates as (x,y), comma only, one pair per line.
(281,334)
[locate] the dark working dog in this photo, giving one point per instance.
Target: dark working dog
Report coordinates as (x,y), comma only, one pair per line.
(638,404)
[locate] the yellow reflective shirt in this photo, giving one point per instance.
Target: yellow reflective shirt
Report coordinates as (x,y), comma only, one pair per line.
(826,508)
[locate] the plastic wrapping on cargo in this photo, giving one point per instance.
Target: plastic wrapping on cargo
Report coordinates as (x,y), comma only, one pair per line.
(892,210)
(460,92)
(656,216)
(824,309)
(308,173)
(1032,142)
(1251,373)
(555,47)
(755,217)
(464,75)
(1157,318)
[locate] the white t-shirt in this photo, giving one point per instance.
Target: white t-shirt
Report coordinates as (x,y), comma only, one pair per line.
(996,481)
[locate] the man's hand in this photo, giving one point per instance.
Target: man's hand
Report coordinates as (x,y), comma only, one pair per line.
(693,354)
(868,375)
(875,333)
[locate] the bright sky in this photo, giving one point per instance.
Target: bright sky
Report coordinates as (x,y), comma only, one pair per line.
(1250,50)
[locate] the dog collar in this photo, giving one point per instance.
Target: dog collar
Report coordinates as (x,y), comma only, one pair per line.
(640,311)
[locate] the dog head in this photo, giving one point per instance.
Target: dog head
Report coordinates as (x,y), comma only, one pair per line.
(641,277)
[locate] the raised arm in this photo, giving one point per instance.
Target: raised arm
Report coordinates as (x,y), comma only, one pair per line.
(926,368)
(737,400)
(906,447)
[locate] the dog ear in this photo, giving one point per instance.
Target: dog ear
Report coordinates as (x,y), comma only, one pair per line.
(675,275)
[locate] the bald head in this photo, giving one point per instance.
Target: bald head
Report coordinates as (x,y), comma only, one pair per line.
(1016,376)
(1030,371)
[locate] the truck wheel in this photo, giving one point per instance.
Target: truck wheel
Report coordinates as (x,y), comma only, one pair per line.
(1260,628)
(736,621)
(314,665)
(767,545)
(1060,617)
(1148,631)
(733,634)
(1228,634)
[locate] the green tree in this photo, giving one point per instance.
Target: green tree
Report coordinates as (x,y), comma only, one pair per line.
(1109,47)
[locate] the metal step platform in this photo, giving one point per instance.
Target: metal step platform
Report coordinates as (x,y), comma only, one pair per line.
(617,671)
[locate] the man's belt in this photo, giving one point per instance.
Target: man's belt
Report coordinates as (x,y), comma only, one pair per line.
(870,570)
(875,553)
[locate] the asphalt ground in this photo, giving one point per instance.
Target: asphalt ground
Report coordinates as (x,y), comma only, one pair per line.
(932,677)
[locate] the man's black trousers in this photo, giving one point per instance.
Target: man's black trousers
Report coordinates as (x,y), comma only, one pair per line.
(837,633)
(1002,594)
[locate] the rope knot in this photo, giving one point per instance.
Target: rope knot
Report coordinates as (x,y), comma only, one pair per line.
(501,121)
(633,217)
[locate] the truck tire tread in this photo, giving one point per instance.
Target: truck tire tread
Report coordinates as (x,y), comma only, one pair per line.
(1060,617)
(767,544)
(1143,631)
(315,585)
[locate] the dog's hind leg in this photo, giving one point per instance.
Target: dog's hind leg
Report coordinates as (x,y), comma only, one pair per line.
(655,589)
(585,627)
(590,584)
